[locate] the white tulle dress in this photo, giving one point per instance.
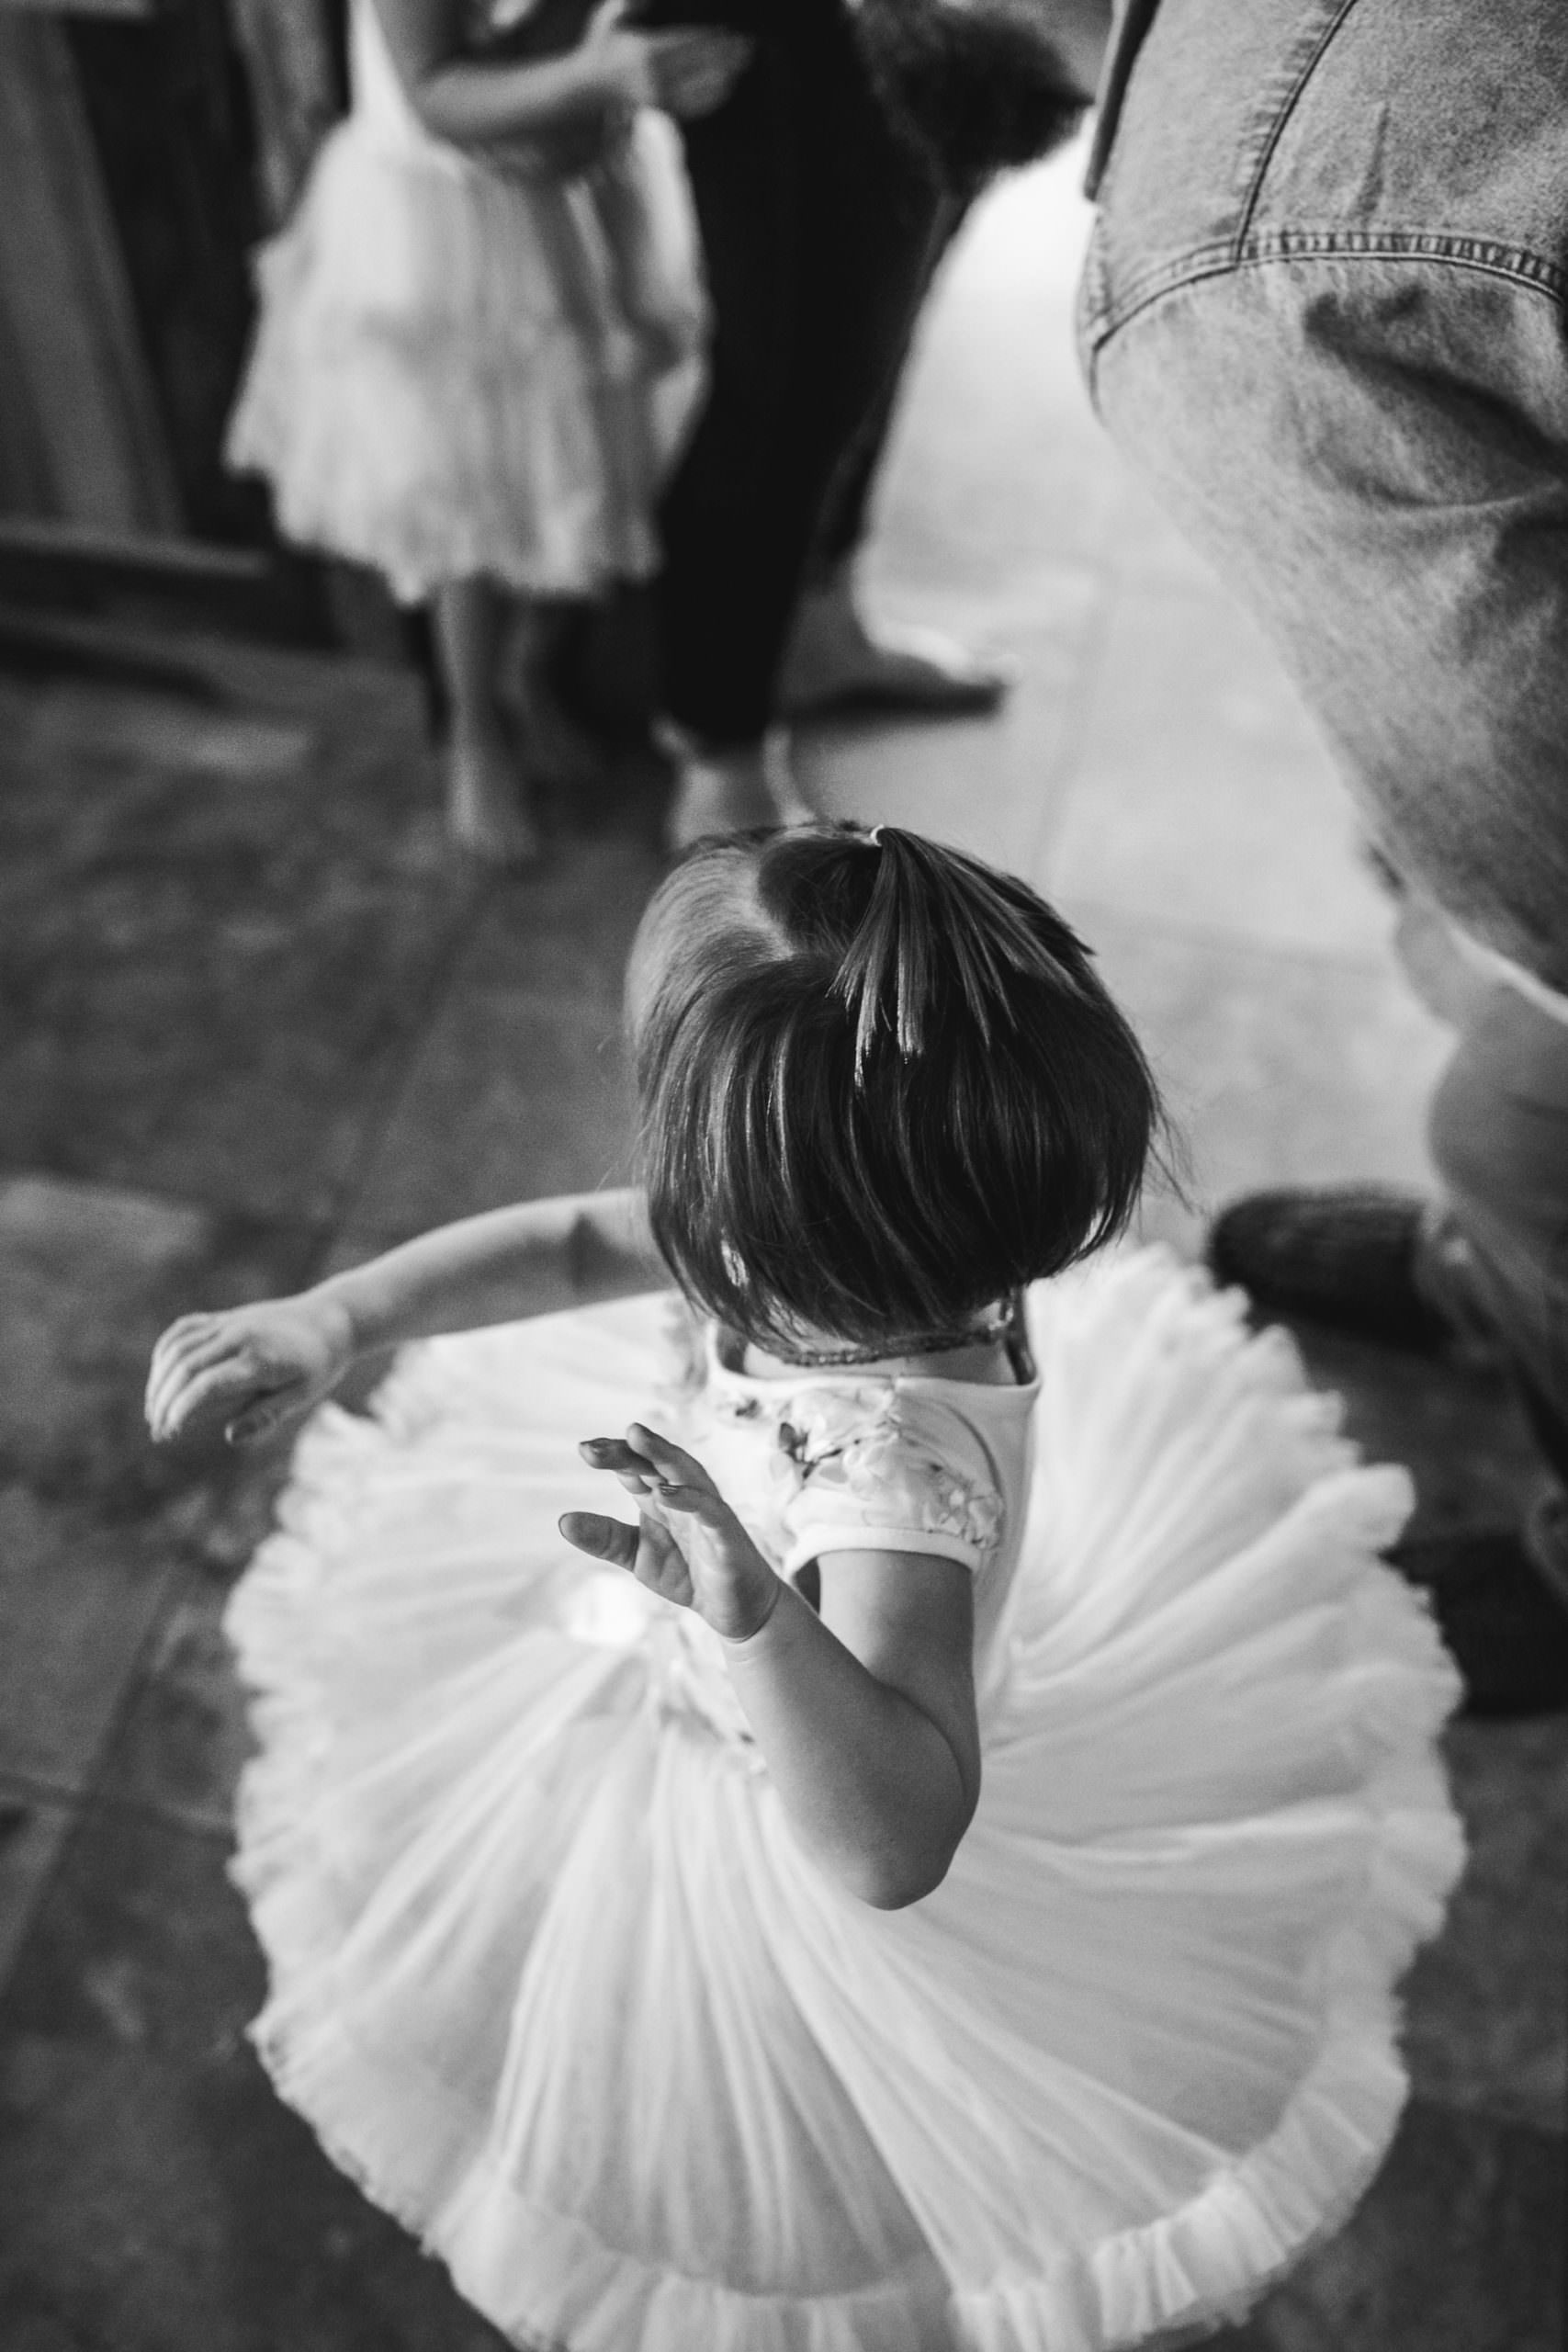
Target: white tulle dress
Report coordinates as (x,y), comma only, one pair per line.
(459,371)
(552,1979)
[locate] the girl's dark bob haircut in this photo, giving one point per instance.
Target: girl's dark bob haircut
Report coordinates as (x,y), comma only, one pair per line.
(880,1086)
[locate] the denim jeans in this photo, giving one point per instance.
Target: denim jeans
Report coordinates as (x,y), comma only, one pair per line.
(1323,315)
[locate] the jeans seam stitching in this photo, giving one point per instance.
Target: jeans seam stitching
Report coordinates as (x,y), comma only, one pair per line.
(1488,253)
(1202,261)
(1516,265)
(1310,65)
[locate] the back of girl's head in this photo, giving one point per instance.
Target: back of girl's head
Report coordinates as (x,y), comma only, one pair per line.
(881,1085)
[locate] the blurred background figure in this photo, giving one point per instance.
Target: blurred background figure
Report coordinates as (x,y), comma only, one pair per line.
(826,188)
(969,94)
(462,331)
(838,657)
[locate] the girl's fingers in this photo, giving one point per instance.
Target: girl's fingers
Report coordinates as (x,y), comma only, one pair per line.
(225,1383)
(172,1354)
(674,1466)
(169,1380)
(163,1401)
(183,1327)
(193,1337)
(613,1453)
(203,1341)
(694,1502)
(610,1454)
(262,1420)
(601,1538)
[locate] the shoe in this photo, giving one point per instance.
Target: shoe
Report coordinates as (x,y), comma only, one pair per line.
(1505,1630)
(1343,1255)
(837,660)
(907,672)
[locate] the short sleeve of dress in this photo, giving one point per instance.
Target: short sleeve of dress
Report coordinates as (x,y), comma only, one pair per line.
(879,1467)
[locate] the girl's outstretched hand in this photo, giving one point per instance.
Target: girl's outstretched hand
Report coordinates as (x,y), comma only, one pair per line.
(685,70)
(253,1368)
(688,1546)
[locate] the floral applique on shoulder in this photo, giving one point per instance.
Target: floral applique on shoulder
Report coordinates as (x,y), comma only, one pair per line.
(870,1463)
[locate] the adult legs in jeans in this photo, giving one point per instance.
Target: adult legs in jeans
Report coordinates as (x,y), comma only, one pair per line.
(817,226)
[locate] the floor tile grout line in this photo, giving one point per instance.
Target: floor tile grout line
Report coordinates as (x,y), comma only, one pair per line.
(87,1803)
(1087,671)
(380,1116)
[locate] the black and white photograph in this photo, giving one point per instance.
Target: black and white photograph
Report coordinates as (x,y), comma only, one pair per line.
(784,1175)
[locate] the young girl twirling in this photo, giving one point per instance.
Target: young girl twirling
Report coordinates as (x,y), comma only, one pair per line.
(950,1891)
(480,338)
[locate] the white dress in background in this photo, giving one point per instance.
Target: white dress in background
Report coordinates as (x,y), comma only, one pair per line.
(447,379)
(552,1977)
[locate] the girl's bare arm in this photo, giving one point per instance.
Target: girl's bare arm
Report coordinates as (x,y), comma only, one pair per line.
(497,1268)
(866,1712)
(253,1368)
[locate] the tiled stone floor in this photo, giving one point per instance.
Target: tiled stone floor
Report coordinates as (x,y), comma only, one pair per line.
(255,1023)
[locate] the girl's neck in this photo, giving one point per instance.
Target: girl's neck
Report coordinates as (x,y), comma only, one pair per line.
(990,1360)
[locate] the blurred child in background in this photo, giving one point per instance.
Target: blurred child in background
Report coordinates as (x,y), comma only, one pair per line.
(481,339)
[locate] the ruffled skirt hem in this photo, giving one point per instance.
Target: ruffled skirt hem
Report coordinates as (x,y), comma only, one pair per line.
(982,2265)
